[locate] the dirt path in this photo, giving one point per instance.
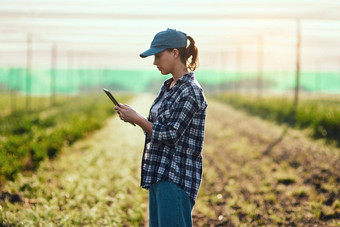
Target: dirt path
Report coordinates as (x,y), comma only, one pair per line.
(255,174)
(259,173)
(94,182)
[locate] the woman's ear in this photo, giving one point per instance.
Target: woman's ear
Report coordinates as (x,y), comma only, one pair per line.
(175,52)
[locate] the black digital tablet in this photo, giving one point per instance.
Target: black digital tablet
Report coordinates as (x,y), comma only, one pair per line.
(108,93)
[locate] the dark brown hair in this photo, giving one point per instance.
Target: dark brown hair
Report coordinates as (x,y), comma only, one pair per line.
(189,54)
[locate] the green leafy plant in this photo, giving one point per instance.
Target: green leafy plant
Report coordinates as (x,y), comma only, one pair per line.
(28,138)
(320,114)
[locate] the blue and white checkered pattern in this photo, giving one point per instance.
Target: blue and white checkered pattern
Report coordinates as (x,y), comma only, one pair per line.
(173,151)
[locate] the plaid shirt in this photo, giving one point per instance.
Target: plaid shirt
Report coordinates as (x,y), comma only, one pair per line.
(173,151)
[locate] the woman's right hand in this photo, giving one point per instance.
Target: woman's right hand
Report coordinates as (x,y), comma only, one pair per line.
(126,113)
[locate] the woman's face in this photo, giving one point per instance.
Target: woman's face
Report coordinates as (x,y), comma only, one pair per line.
(164,61)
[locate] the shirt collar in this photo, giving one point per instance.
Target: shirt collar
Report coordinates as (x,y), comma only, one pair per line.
(186,77)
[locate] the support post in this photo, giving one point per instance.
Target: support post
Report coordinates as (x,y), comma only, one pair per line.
(297,77)
(53,74)
(28,71)
(260,67)
(239,69)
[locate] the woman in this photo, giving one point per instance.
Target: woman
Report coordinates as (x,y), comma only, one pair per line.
(172,161)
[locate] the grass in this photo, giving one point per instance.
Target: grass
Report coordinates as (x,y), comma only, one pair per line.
(16,102)
(93,182)
(322,115)
(294,184)
(28,138)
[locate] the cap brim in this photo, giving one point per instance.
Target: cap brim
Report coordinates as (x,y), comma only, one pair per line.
(151,51)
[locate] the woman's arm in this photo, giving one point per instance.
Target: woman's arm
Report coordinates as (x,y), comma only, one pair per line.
(128,114)
(170,130)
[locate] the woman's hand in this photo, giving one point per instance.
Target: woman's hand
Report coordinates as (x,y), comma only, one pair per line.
(126,113)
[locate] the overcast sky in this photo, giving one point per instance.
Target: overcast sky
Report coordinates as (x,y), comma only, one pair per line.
(110,33)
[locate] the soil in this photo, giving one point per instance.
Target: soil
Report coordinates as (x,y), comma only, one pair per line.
(259,173)
(255,173)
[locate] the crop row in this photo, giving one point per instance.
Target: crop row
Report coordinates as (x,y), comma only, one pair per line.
(28,138)
(322,115)
(13,102)
(265,177)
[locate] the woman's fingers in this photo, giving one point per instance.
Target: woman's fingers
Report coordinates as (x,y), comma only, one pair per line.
(121,111)
(117,108)
(125,112)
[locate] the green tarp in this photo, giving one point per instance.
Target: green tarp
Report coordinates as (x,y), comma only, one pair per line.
(78,80)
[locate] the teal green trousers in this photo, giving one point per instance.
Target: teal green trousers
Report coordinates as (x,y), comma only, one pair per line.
(169,205)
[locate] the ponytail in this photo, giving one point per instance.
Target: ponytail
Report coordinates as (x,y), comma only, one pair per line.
(189,54)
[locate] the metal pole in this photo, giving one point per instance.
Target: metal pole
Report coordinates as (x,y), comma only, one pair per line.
(297,79)
(69,71)
(219,70)
(53,74)
(318,79)
(239,68)
(223,85)
(260,67)
(12,74)
(28,71)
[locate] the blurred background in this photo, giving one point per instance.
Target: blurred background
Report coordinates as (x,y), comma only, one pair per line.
(66,47)
(275,59)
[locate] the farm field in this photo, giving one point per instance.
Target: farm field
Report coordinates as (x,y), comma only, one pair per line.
(28,137)
(94,182)
(319,113)
(256,173)
(12,102)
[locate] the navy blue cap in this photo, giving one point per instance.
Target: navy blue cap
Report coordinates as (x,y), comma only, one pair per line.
(170,38)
